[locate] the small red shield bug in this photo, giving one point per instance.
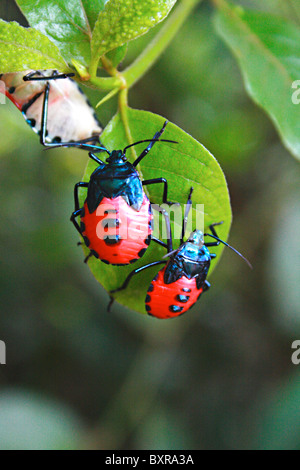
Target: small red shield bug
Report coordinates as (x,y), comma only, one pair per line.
(116,219)
(181,282)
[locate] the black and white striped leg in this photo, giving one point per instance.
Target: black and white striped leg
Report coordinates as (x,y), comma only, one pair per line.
(36,76)
(43,132)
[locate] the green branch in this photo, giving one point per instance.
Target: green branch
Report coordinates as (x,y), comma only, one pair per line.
(155,49)
(150,55)
(106,83)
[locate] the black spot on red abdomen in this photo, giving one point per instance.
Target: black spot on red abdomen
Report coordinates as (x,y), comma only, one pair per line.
(109,229)
(165,301)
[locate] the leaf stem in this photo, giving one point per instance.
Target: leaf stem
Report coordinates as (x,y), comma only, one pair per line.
(106,83)
(150,55)
(122,81)
(123,107)
(123,98)
(156,47)
(107,97)
(94,67)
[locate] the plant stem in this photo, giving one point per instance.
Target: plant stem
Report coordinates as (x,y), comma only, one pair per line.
(105,83)
(106,98)
(123,81)
(94,67)
(154,50)
(147,59)
(123,107)
(123,96)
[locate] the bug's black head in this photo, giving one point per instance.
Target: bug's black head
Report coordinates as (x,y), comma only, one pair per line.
(117,158)
(193,256)
(191,260)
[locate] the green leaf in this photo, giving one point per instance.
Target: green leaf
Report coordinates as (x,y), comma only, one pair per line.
(25,48)
(281,268)
(92,9)
(184,165)
(116,56)
(65,23)
(124,20)
(268,50)
(32,422)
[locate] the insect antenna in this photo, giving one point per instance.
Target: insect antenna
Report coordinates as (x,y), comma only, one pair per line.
(150,140)
(168,255)
(228,246)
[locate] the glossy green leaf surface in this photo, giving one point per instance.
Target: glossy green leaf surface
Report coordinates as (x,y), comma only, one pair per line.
(124,20)
(65,23)
(185,165)
(267,49)
(25,48)
(92,9)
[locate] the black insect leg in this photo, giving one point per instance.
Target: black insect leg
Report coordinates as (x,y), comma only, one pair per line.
(165,193)
(96,159)
(161,210)
(134,272)
(213,231)
(30,77)
(159,242)
(147,150)
(43,135)
(166,216)
(210,244)
(202,285)
(89,256)
(74,221)
(77,211)
(45,117)
(111,302)
(85,144)
(76,195)
(37,76)
(186,215)
(206,286)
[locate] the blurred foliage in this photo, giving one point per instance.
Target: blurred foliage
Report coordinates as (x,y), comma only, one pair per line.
(220,377)
(33,423)
(267,48)
(280,428)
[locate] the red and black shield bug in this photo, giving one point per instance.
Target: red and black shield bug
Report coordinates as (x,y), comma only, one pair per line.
(53,105)
(116,220)
(181,282)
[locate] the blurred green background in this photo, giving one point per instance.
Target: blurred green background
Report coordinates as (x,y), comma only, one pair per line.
(220,377)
